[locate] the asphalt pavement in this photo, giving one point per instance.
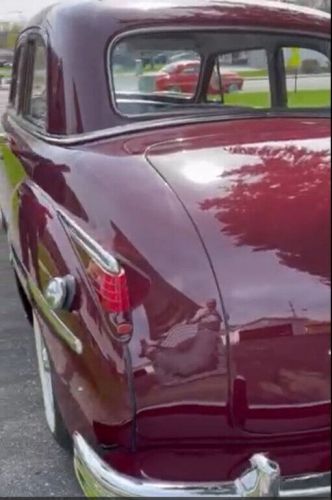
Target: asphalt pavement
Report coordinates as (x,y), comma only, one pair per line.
(31,463)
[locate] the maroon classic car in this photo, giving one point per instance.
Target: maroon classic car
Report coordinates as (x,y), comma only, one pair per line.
(172,253)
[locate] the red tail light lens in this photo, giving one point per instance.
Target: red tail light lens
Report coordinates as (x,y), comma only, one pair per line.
(120,292)
(119,287)
(113,292)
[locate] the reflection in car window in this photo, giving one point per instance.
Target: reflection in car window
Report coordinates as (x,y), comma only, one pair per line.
(198,72)
(15,89)
(154,71)
(37,105)
(241,79)
(308,78)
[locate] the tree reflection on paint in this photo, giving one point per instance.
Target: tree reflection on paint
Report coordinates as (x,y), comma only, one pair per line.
(280,204)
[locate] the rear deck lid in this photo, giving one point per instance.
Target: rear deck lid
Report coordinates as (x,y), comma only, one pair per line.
(259,196)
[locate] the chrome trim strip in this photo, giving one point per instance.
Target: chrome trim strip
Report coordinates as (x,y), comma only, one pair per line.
(61,330)
(146,125)
(99,479)
(104,259)
(311,485)
(36,296)
(133,127)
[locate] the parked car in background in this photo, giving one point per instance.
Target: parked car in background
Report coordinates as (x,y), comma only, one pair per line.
(183,77)
(173,253)
(182,56)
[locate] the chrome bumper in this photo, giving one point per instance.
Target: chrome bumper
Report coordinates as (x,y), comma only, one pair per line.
(98,479)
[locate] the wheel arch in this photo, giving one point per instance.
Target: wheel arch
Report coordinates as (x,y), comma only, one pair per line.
(24,299)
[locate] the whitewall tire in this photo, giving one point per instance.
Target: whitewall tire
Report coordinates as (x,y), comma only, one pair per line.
(53,417)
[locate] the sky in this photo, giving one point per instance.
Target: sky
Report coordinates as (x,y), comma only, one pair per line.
(14,9)
(11,9)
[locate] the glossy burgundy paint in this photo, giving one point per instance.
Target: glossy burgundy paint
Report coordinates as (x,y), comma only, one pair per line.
(279,356)
(192,410)
(261,207)
(229,220)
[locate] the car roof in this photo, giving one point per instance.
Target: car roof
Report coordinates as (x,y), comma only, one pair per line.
(182,64)
(80,32)
(169,10)
(186,62)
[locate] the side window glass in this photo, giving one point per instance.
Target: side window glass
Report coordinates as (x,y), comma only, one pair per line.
(17,74)
(37,102)
(308,78)
(136,70)
(241,79)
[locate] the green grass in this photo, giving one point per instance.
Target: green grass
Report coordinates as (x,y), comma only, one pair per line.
(250,73)
(5,72)
(156,67)
(14,173)
(254,99)
(300,99)
(309,98)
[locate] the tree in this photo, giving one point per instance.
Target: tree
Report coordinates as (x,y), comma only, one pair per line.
(8,34)
(12,35)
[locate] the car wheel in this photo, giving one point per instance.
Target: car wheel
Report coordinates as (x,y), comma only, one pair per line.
(176,89)
(53,417)
(233,88)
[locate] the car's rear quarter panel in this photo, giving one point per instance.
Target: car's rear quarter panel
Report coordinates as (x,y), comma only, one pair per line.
(123,204)
(114,194)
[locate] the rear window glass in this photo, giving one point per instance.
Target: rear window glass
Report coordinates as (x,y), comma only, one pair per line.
(308,77)
(199,72)
(241,79)
(154,72)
